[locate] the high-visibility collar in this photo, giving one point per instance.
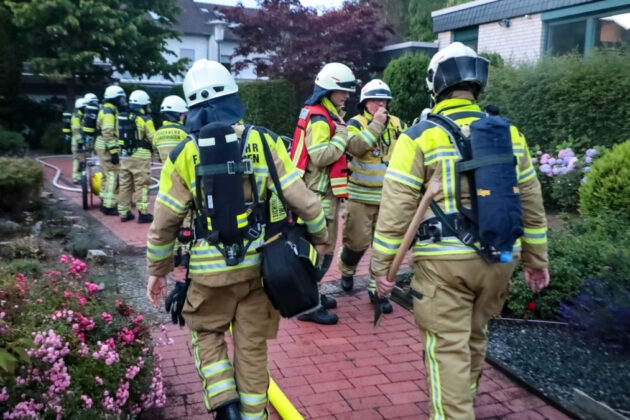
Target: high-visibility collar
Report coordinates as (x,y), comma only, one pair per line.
(171,123)
(327,103)
(455,103)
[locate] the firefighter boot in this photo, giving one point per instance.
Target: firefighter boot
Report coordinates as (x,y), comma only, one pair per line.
(386,307)
(327,302)
(320,316)
(127,217)
(347,283)
(228,411)
(145,218)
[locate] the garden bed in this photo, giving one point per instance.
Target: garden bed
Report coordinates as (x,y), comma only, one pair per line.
(555,360)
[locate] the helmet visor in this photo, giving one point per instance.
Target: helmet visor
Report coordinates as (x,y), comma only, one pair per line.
(348,85)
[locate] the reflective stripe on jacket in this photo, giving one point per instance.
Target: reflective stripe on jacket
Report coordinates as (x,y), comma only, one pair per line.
(425,151)
(367,171)
(75,124)
(176,197)
(107,125)
(167,137)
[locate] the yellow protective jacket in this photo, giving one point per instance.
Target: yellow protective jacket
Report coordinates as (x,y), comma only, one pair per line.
(367,171)
(425,151)
(75,122)
(145,133)
(167,137)
(323,151)
(107,126)
(176,197)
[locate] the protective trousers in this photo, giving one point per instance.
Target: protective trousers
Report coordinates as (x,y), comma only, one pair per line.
(452,303)
(208,312)
(78,158)
(109,179)
(330,205)
(135,175)
(359,222)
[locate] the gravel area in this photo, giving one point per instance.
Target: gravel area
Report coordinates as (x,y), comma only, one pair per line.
(555,360)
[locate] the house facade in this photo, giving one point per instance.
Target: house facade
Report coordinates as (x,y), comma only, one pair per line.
(197,41)
(522,31)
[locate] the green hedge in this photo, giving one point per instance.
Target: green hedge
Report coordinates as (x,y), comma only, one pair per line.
(406,78)
(11,143)
(271,104)
(607,186)
(21,182)
(562,97)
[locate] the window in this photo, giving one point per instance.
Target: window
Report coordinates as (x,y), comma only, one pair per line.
(567,38)
(187,53)
(613,31)
(467,36)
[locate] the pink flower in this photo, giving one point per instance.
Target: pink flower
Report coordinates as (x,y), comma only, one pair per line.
(87,400)
(83,301)
(138,319)
(110,343)
(544,158)
(126,336)
(107,318)
(534,160)
(98,380)
(63,259)
(91,287)
(4,395)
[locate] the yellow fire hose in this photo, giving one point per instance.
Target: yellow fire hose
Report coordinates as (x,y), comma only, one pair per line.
(280,401)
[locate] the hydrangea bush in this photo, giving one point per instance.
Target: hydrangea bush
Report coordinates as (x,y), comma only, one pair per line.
(561,175)
(66,352)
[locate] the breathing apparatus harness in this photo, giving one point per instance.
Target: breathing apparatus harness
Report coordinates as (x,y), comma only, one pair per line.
(128,133)
(223,217)
(88,123)
(494,221)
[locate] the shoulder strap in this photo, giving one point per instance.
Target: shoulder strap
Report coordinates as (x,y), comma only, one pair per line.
(454,131)
(319,109)
(273,173)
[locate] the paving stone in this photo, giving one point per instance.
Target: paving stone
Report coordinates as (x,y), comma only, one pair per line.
(491,410)
(397,411)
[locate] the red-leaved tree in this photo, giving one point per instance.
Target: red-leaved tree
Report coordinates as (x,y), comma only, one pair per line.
(285,39)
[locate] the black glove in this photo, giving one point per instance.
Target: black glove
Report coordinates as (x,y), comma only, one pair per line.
(175,302)
(115,159)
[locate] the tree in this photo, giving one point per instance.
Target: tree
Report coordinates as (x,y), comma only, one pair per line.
(420,20)
(296,41)
(64,38)
(406,78)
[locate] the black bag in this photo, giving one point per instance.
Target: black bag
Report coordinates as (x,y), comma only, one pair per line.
(288,258)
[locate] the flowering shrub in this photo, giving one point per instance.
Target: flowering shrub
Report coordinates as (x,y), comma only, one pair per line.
(561,176)
(65,354)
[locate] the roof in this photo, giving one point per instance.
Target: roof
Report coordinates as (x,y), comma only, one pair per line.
(195,18)
(484,11)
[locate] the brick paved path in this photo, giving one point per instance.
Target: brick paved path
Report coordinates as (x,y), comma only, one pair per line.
(347,371)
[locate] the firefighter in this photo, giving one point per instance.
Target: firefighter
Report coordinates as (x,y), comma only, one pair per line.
(77,145)
(455,289)
(106,146)
(135,166)
(318,152)
(173,111)
(221,293)
(88,123)
(371,139)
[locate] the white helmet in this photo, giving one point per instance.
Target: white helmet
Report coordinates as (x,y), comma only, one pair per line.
(79,103)
(139,97)
(336,76)
(207,80)
(91,98)
(113,91)
(375,89)
(173,103)
(453,65)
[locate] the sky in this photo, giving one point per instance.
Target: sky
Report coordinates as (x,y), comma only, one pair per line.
(252,3)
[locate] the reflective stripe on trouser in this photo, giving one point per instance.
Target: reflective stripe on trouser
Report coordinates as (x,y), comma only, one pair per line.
(359,222)
(135,175)
(77,159)
(208,312)
(109,179)
(458,299)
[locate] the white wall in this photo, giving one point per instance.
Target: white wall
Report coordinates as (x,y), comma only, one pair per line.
(444,39)
(521,42)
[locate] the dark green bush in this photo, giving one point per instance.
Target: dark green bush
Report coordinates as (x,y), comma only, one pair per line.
(271,104)
(406,78)
(580,249)
(11,143)
(607,186)
(21,182)
(26,266)
(567,96)
(53,140)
